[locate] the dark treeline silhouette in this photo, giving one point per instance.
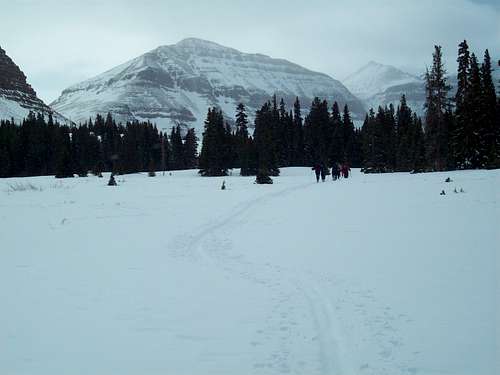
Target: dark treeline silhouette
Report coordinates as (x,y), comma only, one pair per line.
(41,147)
(281,138)
(462,132)
(456,133)
(393,140)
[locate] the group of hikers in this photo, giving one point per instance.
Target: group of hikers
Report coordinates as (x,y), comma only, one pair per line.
(338,171)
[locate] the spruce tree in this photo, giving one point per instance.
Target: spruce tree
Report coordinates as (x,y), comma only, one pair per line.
(64,164)
(490,126)
(230,147)
(368,140)
(435,105)
(298,135)
(337,150)
(190,149)
(283,135)
(474,140)
(462,106)
(418,145)
(177,148)
(349,140)
(318,133)
(265,142)
(404,142)
(213,156)
(244,145)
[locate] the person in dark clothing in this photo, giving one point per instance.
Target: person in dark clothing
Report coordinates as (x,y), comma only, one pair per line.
(335,172)
(317,170)
(323,172)
(345,170)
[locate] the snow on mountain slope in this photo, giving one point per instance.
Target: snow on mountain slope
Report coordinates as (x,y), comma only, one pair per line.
(377,84)
(415,96)
(377,274)
(17,97)
(374,78)
(177,83)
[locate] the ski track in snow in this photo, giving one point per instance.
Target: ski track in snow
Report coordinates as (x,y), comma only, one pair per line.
(295,290)
(378,275)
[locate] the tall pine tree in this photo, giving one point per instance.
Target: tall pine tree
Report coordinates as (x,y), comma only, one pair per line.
(436,104)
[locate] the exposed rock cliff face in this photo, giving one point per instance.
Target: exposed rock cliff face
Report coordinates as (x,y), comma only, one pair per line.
(17,97)
(11,77)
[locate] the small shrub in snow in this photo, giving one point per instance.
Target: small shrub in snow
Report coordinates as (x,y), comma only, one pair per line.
(112,181)
(263,177)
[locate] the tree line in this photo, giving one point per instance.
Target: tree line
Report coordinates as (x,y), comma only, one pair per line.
(281,138)
(39,146)
(458,132)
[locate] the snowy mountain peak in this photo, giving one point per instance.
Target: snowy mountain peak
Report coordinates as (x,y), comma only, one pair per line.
(200,43)
(375,78)
(378,84)
(175,84)
(372,63)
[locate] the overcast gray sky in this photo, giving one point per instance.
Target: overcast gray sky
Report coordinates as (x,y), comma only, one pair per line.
(59,43)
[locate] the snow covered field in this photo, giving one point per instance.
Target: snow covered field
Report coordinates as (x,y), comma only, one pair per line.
(377,274)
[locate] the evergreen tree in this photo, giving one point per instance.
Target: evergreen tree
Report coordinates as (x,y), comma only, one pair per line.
(265,143)
(462,106)
(190,150)
(451,127)
(318,133)
(213,157)
(473,141)
(436,104)
(404,135)
(297,158)
(349,140)
(177,149)
(490,127)
(64,163)
(368,140)
(380,140)
(283,136)
(78,150)
(230,147)
(112,181)
(337,151)
(246,159)
(418,145)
